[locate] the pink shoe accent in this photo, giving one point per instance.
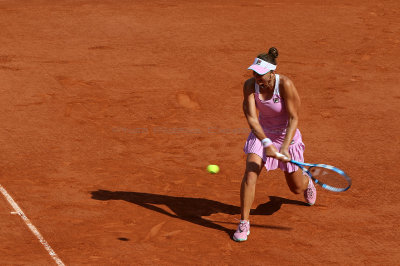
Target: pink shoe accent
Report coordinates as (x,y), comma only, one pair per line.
(310,194)
(242,232)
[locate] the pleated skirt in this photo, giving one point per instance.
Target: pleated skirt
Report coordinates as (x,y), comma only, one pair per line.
(296,151)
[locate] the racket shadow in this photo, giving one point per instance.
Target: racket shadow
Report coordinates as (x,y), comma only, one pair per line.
(193,209)
(274,204)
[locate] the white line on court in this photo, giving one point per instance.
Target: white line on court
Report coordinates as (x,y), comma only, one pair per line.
(18,211)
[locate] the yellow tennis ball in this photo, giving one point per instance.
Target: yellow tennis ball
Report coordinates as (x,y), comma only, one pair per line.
(213,169)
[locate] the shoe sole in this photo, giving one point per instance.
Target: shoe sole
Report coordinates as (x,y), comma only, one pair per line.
(240,240)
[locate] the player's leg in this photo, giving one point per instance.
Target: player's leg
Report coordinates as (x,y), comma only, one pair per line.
(301,183)
(296,181)
(254,164)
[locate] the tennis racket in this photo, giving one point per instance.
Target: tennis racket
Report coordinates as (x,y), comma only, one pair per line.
(327,176)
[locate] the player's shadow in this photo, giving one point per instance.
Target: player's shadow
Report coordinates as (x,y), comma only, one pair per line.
(193,209)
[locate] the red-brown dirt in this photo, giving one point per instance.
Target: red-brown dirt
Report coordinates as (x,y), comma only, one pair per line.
(111,111)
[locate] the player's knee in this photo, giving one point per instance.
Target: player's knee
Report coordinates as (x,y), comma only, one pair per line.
(253,167)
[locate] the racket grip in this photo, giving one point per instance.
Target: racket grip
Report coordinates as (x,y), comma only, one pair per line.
(281,156)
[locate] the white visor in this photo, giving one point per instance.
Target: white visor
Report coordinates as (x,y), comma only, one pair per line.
(262,67)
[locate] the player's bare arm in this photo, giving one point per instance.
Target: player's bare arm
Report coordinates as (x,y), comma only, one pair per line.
(292,101)
(249,109)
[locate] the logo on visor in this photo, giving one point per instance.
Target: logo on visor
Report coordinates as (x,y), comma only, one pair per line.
(258,62)
(276,100)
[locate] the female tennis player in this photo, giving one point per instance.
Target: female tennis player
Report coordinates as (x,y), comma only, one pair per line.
(274,130)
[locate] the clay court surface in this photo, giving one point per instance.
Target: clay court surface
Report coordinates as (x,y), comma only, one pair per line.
(110,112)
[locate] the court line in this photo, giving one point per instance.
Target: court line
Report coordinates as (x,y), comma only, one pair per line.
(34,230)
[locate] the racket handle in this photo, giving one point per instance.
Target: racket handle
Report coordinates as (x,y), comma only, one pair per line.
(281,156)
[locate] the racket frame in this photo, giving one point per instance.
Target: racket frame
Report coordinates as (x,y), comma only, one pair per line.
(330,167)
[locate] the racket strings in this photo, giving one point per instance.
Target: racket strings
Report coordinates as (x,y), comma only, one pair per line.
(329,177)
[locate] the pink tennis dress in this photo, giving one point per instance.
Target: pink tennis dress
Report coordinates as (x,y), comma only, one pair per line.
(274,119)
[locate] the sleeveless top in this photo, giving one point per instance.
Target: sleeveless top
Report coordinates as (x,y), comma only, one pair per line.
(274,119)
(273,115)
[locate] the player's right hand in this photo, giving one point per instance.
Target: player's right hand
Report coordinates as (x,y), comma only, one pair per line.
(272,151)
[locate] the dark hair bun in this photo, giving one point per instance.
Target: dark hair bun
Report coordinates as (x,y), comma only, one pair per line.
(273,51)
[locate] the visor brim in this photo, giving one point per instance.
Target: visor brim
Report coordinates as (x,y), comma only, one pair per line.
(259,69)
